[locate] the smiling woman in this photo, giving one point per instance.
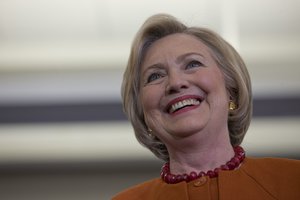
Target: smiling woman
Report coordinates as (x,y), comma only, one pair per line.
(187,93)
(179,84)
(213,51)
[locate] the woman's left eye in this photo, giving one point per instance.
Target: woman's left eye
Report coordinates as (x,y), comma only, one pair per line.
(194,64)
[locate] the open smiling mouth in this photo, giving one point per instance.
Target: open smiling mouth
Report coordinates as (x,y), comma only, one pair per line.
(183,104)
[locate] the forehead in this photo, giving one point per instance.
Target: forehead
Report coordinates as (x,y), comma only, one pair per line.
(175,45)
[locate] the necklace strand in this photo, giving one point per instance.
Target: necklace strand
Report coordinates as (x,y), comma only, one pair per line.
(168,177)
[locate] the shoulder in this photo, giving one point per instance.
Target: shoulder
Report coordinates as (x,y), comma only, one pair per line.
(140,191)
(273,164)
(273,168)
(279,176)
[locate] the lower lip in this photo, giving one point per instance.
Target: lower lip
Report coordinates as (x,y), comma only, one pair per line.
(185,109)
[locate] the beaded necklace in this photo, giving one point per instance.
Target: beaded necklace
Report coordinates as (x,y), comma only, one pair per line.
(168,177)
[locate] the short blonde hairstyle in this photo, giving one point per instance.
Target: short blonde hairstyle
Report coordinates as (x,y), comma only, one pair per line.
(235,73)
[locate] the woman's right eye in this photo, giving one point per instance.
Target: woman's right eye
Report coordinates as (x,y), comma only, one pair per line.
(153,77)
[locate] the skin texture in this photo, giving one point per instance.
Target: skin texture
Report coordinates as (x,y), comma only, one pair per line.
(179,67)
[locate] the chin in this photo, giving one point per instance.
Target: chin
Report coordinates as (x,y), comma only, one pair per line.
(187,129)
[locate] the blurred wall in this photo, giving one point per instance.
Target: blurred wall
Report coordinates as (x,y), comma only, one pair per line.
(62,131)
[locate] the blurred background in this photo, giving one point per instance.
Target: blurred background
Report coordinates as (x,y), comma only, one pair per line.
(62,131)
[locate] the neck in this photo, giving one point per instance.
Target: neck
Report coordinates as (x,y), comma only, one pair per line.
(201,155)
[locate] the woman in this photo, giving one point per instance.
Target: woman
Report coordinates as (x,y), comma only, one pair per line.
(188,95)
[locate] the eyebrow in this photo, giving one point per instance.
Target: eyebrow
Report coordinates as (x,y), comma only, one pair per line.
(155,66)
(181,57)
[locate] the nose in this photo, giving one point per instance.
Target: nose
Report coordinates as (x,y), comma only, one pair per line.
(176,82)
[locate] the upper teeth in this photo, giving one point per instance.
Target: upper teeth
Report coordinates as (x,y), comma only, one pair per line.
(183,103)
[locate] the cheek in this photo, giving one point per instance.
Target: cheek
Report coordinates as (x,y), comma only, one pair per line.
(149,99)
(214,81)
(150,105)
(214,85)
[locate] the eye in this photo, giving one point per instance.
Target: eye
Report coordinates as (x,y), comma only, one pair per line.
(194,64)
(153,77)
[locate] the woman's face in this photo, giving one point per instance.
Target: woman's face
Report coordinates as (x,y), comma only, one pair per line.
(182,90)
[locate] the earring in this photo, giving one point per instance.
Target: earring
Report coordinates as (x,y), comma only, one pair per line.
(232,105)
(150,132)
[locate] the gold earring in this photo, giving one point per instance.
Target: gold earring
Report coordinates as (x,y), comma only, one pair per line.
(150,133)
(232,105)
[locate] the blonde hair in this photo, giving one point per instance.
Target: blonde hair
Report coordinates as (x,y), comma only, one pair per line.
(236,77)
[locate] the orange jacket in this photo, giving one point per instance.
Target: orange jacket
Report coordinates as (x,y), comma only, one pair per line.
(265,178)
